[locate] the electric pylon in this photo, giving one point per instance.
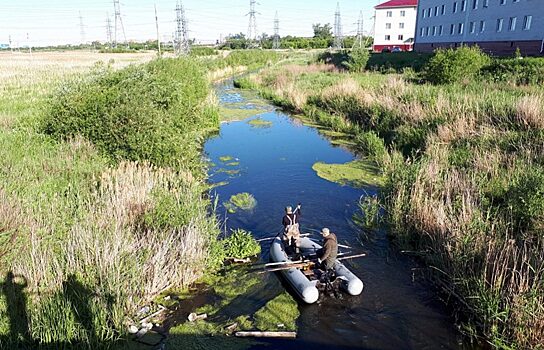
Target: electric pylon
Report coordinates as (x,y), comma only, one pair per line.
(182,33)
(276,43)
(338,36)
(359,42)
(108,30)
(81,28)
(252,27)
(118,22)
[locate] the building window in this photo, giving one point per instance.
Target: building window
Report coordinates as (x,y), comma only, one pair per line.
(527,22)
(452,29)
(502,2)
(389,13)
(460,28)
(430,12)
(472,27)
(424,14)
(482,26)
(436,11)
(388,26)
(516,0)
(440,30)
(434,30)
(512,24)
(387,37)
(422,32)
(464,5)
(485,4)
(401,37)
(401,25)
(403,13)
(500,21)
(455,7)
(474,4)
(428,31)
(443,12)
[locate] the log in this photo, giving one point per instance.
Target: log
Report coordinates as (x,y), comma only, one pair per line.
(259,334)
(194,317)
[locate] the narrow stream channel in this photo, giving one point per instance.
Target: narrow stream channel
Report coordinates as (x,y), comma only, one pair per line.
(395,311)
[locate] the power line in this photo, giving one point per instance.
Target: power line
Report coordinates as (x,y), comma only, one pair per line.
(338,36)
(276,43)
(181,37)
(252,27)
(118,22)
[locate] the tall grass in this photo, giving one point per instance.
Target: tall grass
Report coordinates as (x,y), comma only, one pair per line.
(464,184)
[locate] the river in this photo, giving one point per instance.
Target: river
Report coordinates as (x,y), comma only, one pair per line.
(274,162)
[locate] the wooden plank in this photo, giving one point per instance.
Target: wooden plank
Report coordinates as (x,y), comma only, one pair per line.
(259,334)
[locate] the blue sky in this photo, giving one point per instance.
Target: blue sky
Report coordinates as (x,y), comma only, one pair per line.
(57,21)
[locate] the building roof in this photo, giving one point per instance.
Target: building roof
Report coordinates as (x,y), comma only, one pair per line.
(396,3)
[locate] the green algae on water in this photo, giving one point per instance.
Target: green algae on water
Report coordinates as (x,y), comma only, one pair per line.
(242,201)
(278,314)
(359,173)
(225,158)
(260,123)
(233,164)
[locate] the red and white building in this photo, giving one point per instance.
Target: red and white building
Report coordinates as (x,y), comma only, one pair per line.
(395,25)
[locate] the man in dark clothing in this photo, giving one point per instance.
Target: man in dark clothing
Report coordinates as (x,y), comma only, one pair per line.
(326,256)
(291,227)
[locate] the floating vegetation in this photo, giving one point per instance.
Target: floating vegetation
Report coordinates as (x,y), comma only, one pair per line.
(241,244)
(260,123)
(225,158)
(230,172)
(233,163)
(218,184)
(238,114)
(242,201)
(358,173)
(279,314)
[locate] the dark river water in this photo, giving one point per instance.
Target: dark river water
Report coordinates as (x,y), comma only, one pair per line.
(395,310)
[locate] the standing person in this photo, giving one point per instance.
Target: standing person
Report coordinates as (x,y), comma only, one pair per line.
(326,256)
(291,227)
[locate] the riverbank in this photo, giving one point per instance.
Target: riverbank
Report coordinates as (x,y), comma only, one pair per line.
(104,195)
(463,185)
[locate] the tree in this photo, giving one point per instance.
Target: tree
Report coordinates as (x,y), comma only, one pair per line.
(322,31)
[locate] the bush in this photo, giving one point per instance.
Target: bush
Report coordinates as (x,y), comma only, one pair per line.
(154,111)
(241,244)
(372,145)
(449,66)
(526,71)
(398,61)
(357,60)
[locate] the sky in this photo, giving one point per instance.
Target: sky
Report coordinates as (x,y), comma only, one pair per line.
(56,22)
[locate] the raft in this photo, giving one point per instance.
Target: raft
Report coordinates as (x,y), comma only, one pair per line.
(305,283)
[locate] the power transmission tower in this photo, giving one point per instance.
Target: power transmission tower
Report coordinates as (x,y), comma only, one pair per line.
(359,42)
(252,27)
(10,46)
(108,30)
(158,35)
(81,29)
(276,43)
(338,36)
(182,33)
(118,22)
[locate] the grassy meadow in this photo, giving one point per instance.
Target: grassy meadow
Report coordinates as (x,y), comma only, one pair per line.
(463,166)
(103,201)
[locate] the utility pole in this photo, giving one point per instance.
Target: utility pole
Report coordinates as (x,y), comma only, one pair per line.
(338,36)
(276,43)
(10,46)
(81,29)
(118,22)
(359,42)
(182,32)
(108,30)
(252,27)
(157,26)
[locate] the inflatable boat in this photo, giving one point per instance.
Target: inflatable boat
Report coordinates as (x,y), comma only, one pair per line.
(304,281)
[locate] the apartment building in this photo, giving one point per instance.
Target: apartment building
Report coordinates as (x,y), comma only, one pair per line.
(395,25)
(497,26)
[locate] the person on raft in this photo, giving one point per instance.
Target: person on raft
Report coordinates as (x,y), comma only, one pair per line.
(326,256)
(291,227)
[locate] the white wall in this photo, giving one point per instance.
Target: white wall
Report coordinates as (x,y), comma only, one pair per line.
(488,15)
(380,28)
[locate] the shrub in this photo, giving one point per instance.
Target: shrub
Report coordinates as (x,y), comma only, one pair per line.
(372,145)
(241,244)
(526,71)
(357,60)
(455,65)
(154,111)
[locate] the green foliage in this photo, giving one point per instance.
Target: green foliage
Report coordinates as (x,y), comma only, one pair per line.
(398,61)
(520,71)
(357,60)
(449,66)
(154,111)
(525,198)
(372,146)
(358,173)
(240,244)
(368,215)
(242,201)
(279,314)
(322,31)
(203,51)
